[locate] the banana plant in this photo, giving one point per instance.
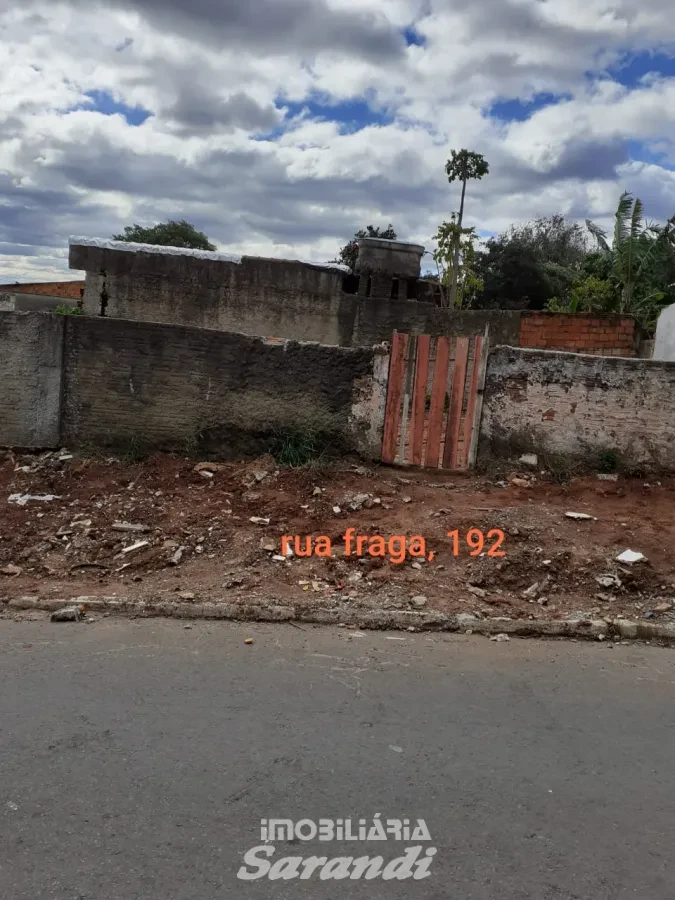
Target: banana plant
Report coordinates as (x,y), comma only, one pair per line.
(636,249)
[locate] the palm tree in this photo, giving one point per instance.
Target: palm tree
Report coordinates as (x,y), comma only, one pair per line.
(638,248)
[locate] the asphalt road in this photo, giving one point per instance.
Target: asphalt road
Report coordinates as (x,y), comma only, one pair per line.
(138,758)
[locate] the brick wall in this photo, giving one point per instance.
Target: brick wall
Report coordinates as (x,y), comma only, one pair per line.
(579,333)
(579,406)
(69,289)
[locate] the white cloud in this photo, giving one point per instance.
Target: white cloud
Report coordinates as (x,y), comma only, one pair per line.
(215,77)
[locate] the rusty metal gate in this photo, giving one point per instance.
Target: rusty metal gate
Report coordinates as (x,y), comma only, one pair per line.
(434,400)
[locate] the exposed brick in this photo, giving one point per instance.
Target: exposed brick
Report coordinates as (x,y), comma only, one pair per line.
(70,289)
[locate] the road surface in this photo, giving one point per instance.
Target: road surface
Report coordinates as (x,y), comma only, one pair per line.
(137,760)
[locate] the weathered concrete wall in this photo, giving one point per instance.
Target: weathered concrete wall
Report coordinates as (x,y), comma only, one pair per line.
(376,320)
(170,387)
(206,292)
(579,406)
(31,352)
(40,302)
(395,257)
(664,339)
(274,298)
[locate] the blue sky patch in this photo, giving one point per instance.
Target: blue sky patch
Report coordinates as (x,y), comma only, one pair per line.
(104,103)
(351,115)
(412,38)
(632,68)
(649,154)
(516,110)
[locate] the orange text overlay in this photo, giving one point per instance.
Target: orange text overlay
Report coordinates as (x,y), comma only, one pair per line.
(398,547)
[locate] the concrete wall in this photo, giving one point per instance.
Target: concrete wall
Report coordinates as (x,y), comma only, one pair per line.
(664,339)
(274,298)
(171,387)
(31,353)
(297,301)
(580,333)
(578,406)
(40,302)
(204,290)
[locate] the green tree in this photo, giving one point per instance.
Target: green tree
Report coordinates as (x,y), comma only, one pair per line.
(167,234)
(513,276)
(468,283)
(350,252)
(463,166)
(590,294)
(638,260)
(531,263)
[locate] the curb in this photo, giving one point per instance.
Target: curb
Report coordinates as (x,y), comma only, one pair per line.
(377,620)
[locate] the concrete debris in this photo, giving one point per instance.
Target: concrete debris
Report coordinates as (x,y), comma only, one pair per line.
(500,638)
(23,499)
(258,520)
(177,557)
(337,510)
(134,548)
(630,557)
(419,602)
(609,580)
(317,492)
(11,570)
(233,583)
(663,607)
(69,614)
(532,591)
(476,591)
(208,467)
(268,546)
(529,459)
(406,499)
(519,482)
(580,516)
(279,558)
(127,526)
(602,476)
(357,502)
(206,474)
(416,565)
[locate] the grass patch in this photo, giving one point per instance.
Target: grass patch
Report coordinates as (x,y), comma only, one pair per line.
(608,462)
(298,448)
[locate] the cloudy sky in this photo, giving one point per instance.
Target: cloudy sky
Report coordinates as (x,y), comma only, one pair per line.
(279,127)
